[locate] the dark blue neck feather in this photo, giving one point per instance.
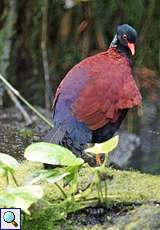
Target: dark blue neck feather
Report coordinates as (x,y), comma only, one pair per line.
(122,49)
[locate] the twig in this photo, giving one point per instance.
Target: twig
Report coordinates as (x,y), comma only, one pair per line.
(20,107)
(44,53)
(15,92)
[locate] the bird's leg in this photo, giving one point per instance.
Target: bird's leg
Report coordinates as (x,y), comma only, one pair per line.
(98,159)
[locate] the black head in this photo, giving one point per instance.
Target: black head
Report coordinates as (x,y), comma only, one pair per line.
(126,37)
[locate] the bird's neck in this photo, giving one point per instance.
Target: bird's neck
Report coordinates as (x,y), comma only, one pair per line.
(121,49)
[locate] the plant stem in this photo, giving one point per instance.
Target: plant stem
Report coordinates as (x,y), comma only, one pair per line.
(105,191)
(25,101)
(105,160)
(20,107)
(7,179)
(14,179)
(101,191)
(98,192)
(74,185)
(99,187)
(62,191)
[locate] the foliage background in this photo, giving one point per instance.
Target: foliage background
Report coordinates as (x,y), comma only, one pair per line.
(71,30)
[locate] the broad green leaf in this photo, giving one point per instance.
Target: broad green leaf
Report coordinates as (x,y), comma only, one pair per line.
(38,176)
(104,147)
(57,177)
(51,154)
(51,175)
(8,163)
(21,197)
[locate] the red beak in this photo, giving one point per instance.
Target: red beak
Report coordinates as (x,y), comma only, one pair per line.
(131,46)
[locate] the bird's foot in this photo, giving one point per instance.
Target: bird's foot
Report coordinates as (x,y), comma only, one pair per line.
(98,160)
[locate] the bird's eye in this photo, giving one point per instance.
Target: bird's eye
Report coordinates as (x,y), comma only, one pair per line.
(125,36)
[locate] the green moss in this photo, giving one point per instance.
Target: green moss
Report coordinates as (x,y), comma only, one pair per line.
(26,133)
(134,186)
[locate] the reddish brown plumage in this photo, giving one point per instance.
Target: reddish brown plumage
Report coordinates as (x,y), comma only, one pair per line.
(94,97)
(109,89)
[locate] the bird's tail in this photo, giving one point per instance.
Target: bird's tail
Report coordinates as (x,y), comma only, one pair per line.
(60,136)
(55,135)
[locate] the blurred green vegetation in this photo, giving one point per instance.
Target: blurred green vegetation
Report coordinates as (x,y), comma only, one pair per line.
(73,30)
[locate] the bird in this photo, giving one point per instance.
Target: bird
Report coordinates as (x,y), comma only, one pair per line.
(95,95)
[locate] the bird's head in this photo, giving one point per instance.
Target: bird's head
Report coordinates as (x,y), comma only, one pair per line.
(125,38)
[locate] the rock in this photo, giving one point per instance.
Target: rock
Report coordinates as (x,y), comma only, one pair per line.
(127,144)
(146,217)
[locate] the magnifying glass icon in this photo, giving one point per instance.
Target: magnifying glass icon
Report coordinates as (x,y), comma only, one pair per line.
(9,217)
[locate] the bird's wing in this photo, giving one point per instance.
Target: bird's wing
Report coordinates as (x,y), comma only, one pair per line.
(109,89)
